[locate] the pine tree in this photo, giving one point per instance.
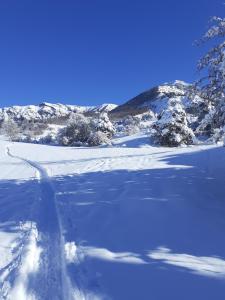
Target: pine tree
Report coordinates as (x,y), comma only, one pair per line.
(172,129)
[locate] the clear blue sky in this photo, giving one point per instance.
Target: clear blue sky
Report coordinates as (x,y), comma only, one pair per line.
(94,51)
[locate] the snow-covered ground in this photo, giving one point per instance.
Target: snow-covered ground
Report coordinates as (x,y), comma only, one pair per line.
(127,222)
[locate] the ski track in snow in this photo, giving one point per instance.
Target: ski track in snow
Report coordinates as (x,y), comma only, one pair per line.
(51,276)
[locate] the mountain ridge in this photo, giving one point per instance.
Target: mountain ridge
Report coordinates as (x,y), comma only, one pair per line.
(46,111)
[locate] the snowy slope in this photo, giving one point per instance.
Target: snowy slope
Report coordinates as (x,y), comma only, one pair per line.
(124,222)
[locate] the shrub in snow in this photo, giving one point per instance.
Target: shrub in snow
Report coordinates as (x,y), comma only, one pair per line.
(145,121)
(130,121)
(32,127)
(131,125)
(64,140)
(50,138)
(85,131)
(171,129)
(76,132)
(128,125)
(98,138)
(131,129)
(10,129)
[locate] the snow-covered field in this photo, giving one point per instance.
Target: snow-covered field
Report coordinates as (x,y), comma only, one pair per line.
(128,222)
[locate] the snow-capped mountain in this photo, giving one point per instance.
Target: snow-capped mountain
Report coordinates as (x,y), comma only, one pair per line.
(45,111)
(155,99)
(106,107)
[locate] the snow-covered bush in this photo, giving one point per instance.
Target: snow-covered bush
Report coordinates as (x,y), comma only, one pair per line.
(131,125)
(10,129)
(148,116)
(34,128)
(76,132)
(146,120)
(128,125)
(32,131)
(49,139)
(131,129)
(86,131)
(172,129)
(64,140)
(98,138)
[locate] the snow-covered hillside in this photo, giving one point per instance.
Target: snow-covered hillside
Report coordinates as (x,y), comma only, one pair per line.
(124,222)
(46,111)
(155,99)
(172,113)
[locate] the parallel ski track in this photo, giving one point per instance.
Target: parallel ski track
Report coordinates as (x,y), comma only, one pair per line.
(51,277)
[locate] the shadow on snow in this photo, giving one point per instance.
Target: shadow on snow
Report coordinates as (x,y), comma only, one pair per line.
(156,233)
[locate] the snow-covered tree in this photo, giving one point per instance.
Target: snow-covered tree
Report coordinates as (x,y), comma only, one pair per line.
(206,125)
(172,129)
(103,124)
(212,86)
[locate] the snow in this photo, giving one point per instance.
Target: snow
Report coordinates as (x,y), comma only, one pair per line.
(29,266)
(206,266)
(47,110)
(116,257)
(105,107)
(9,165)
(166,94)
(6,239)
(129,221)
(167,89)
